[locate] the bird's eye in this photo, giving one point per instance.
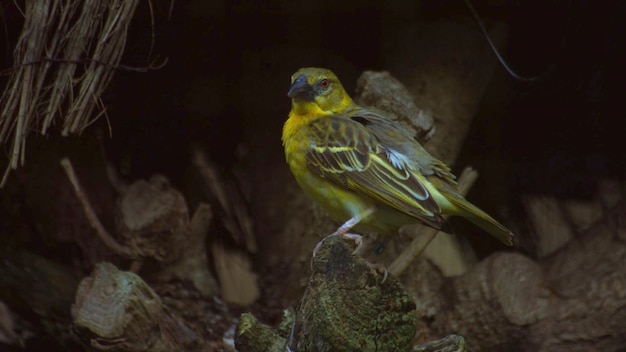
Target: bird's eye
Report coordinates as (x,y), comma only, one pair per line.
(324,83)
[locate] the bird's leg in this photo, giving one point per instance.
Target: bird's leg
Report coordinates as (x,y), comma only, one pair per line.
(342,231)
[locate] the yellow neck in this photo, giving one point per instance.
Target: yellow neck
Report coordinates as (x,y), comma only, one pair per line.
(299,116)
(303,112)
(307,109)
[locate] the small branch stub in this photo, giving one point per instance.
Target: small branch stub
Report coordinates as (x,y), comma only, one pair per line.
(348,307)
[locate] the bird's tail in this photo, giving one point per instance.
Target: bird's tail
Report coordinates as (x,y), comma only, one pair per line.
(481,219)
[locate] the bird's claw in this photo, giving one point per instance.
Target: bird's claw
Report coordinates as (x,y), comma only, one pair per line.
(381,269)
(358,240)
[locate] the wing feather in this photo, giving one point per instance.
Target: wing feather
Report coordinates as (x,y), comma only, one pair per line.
(346,152)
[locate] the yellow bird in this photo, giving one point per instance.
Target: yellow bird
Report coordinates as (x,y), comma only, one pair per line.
(363,168)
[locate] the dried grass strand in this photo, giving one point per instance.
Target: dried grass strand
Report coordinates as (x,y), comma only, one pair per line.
(64,59)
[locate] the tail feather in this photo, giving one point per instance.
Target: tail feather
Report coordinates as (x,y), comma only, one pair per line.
(481,219)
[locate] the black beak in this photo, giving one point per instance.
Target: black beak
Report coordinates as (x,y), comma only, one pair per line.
(301,89)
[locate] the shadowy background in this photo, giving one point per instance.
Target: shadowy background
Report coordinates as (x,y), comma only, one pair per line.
(230,64)
(228,70)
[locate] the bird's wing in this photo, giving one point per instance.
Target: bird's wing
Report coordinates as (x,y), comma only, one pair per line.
(344,151)
(395,137)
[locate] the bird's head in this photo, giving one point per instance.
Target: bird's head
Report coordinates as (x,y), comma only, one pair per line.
(317,91)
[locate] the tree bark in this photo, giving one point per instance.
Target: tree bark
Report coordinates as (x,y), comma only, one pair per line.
(571,301)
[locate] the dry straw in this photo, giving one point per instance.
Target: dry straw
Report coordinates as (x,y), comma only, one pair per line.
(65,57)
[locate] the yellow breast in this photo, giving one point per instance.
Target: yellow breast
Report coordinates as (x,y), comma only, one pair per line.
(339,202)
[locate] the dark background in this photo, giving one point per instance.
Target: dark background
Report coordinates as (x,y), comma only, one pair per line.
(228,69)
(228,66)
(230,62)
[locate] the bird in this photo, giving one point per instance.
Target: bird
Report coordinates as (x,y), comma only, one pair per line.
(364,169)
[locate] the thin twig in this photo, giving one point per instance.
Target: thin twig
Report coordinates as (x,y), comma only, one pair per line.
(104,235)
(496,52)
(427,234)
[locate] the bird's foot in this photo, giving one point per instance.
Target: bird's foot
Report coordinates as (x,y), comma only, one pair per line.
(343,232)
(358,240)
(381,269)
